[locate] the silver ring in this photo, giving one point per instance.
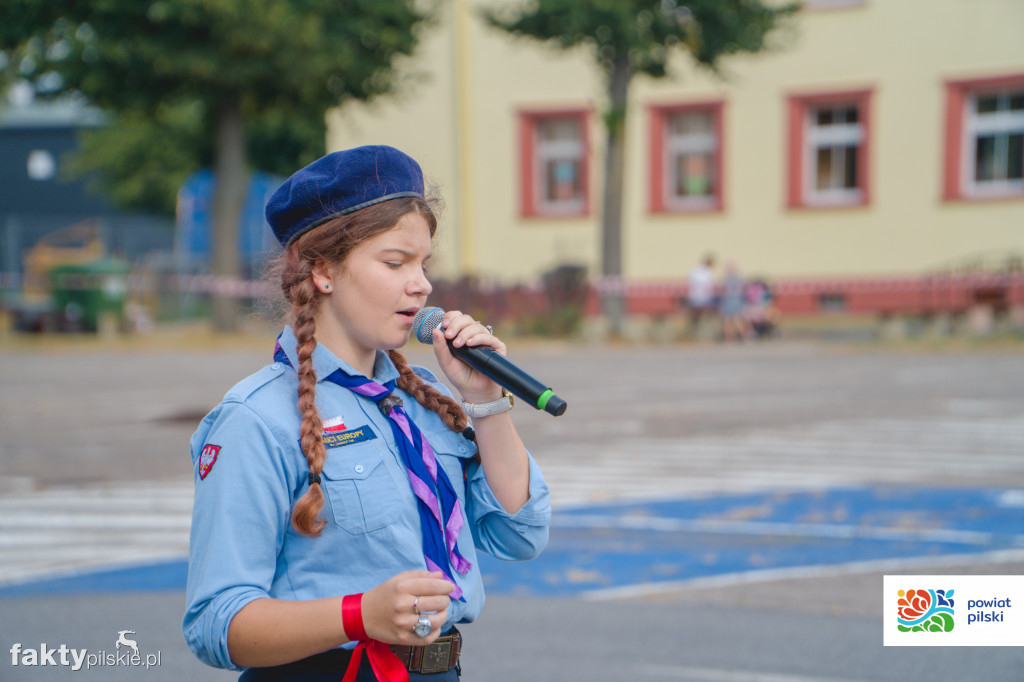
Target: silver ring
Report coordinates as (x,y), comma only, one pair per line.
(490,329)
(423,626)
(416,605)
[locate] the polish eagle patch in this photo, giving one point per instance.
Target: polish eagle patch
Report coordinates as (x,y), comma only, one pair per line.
(207,458)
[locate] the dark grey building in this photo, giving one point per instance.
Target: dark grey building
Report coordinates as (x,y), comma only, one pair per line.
(36,199)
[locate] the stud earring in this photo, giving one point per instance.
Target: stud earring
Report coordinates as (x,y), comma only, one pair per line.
(327,287)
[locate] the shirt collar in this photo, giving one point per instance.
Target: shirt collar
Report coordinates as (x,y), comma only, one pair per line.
(325,362)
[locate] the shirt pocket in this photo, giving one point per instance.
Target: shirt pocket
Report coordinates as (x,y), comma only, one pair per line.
(360,489)
(453,452)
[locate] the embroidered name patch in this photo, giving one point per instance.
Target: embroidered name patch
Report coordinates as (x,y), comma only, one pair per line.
(207,458)
(337,439)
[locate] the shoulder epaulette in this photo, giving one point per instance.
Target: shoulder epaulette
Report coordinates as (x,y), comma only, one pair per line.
(252,383)
(425,374)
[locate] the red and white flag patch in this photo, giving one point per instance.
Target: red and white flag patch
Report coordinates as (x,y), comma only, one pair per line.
(207,458)
(335,425)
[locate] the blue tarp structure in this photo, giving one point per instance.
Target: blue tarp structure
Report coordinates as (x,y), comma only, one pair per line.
(193,233)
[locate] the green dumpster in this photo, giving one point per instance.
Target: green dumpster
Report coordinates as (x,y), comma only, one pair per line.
(91,296)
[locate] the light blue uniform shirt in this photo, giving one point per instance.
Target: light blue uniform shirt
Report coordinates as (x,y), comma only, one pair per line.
(243,546)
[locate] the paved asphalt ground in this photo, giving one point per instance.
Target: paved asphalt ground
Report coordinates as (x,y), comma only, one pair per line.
(722,513)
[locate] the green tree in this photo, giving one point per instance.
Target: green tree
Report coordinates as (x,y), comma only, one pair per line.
(194,83)
(630,37)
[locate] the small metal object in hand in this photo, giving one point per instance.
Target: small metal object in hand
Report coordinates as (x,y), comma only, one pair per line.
(423,626)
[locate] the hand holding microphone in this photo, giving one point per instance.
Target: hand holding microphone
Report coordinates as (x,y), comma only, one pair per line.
(493,365)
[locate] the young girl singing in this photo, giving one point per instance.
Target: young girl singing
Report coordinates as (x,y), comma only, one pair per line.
(341,495)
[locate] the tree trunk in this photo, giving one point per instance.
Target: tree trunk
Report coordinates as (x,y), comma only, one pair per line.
(228,195)
(613,298)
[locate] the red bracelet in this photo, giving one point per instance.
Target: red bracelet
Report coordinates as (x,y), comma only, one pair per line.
(385,664)
(352,617)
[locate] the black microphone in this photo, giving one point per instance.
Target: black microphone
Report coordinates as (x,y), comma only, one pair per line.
(491,364)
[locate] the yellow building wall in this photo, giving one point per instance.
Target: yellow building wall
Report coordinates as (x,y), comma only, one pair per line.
(459,118)
(420,120)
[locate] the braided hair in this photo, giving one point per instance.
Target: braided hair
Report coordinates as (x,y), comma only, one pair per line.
(331,243)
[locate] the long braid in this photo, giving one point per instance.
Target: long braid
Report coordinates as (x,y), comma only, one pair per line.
(429,397)
(304,295)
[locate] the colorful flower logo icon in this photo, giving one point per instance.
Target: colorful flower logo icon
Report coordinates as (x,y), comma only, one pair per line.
(925,611)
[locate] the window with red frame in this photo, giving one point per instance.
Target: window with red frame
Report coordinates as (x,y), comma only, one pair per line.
(686,158)
(985,139)
(829,139)
(555,161)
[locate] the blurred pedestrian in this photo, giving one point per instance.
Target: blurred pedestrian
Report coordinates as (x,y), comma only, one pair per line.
(341,496)
(700,291)
(731,306)
(761,312)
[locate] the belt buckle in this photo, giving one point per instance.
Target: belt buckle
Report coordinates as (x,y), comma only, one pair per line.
(436,657)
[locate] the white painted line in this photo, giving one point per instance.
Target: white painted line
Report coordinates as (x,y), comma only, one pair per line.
(15,546)
(773,528)
(68,520)
(818,571)
(718,675)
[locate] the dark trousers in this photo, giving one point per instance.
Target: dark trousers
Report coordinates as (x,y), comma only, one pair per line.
(330,666)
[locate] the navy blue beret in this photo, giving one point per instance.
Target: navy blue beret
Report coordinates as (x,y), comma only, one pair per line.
(338,184)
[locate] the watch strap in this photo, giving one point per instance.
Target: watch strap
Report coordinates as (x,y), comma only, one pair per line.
(478,410)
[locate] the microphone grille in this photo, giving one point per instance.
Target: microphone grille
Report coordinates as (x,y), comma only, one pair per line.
(425,322)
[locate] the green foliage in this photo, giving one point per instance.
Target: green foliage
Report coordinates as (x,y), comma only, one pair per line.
(565,289)
(643,33)
(142,159)
(165,67)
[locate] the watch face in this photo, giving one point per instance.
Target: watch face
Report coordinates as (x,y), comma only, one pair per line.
(423,627)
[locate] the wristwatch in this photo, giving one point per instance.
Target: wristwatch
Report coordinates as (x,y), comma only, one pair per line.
(478,410)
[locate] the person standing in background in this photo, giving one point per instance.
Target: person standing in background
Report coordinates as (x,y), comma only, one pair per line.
(732,305)
(700,291)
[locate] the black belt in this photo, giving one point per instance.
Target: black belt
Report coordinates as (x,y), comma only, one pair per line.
(439,656)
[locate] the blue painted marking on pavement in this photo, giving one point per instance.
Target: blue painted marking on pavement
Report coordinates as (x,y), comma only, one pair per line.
(166,576)
(621,545)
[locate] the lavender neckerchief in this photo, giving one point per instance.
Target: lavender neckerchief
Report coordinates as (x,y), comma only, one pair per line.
(441,518)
